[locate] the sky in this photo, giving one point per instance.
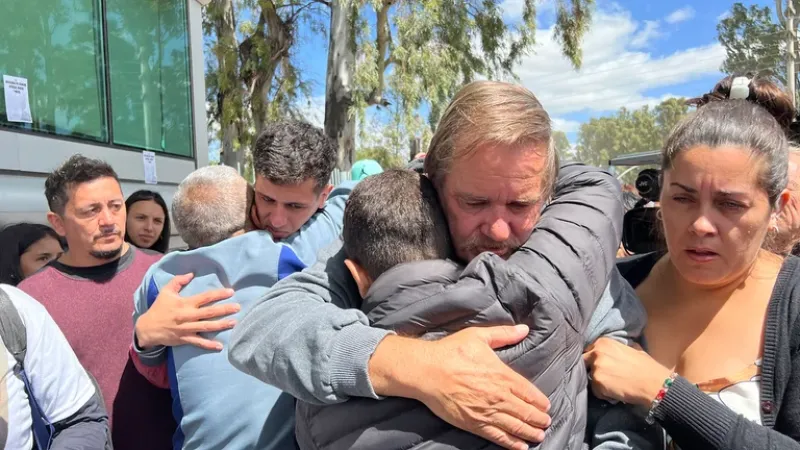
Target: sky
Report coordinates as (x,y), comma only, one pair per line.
(636,53)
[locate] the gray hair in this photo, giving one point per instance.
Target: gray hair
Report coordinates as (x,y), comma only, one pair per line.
(210,205)
(735,123)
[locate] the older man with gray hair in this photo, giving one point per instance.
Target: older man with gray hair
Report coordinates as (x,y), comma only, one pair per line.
(218,406)
(210,206)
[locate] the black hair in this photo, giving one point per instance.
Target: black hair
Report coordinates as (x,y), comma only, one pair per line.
(393,218)
(162,244)
(14,241)
(76,170)
(291,152)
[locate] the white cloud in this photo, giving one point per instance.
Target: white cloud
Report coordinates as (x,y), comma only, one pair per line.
(565,125)
(680,15)
(649,33)
(614,73)
(723,16)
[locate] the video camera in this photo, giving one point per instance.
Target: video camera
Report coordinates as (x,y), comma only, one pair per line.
(640,227)
(648,185)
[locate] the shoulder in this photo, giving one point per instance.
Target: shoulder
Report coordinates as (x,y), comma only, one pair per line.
(787,286)
(35,281)
(784,315)
(149,252)
(147,255)
(141,262)
(28,308)
(787,291)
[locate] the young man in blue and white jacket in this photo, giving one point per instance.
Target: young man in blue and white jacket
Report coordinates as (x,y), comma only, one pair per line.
(215,405)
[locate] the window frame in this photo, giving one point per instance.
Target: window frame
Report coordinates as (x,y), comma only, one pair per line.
(106,83)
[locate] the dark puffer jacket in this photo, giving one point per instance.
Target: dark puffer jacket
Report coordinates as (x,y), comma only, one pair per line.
(552,284)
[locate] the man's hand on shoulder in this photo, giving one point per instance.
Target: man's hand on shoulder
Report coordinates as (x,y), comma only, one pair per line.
(173,320)
(461,380)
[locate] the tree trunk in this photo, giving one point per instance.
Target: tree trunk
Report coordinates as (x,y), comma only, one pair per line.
(260,104)
(229,156)
(228,74)
(277,38)
(339,123)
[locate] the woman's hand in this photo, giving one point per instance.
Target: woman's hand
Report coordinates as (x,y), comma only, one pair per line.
(627,374)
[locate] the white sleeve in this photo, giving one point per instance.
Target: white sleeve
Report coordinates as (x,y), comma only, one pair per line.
(58,380)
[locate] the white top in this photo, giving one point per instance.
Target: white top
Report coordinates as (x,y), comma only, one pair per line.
(740,392)
(58,380)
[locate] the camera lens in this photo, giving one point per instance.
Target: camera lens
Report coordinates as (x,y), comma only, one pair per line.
(647,184)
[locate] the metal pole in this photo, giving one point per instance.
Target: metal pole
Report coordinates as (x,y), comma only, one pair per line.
(619,177)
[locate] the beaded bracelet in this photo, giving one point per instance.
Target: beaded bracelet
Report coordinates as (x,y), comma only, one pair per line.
(660,396)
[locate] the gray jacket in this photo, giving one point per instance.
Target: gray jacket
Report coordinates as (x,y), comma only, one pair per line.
(431,299)
(310,338)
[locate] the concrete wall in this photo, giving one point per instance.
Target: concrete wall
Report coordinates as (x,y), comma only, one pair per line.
(26,158)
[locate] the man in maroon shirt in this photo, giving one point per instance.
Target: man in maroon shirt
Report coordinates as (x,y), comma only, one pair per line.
(89,293)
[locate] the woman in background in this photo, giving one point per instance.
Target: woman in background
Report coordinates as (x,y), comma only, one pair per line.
(25,248)
(147,226)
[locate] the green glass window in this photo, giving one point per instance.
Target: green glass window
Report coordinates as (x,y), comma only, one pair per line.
(148,53)
(57,46)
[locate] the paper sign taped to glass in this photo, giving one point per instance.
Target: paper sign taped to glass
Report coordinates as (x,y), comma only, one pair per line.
(149,159)
(18,107)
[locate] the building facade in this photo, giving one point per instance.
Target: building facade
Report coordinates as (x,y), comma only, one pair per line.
(109,79)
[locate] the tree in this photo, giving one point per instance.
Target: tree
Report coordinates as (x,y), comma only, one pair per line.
(398,55)
(563,147)
(339,123)
(224,81)
(421,52)
(383,156)
(252,78)
(388,140)
(644,129)
(668,114)
(753,41)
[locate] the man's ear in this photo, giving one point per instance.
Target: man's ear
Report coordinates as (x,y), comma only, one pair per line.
(323,196)
(57,223)
(363,281)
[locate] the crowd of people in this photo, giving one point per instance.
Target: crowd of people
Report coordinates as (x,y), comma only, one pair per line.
(471,300)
